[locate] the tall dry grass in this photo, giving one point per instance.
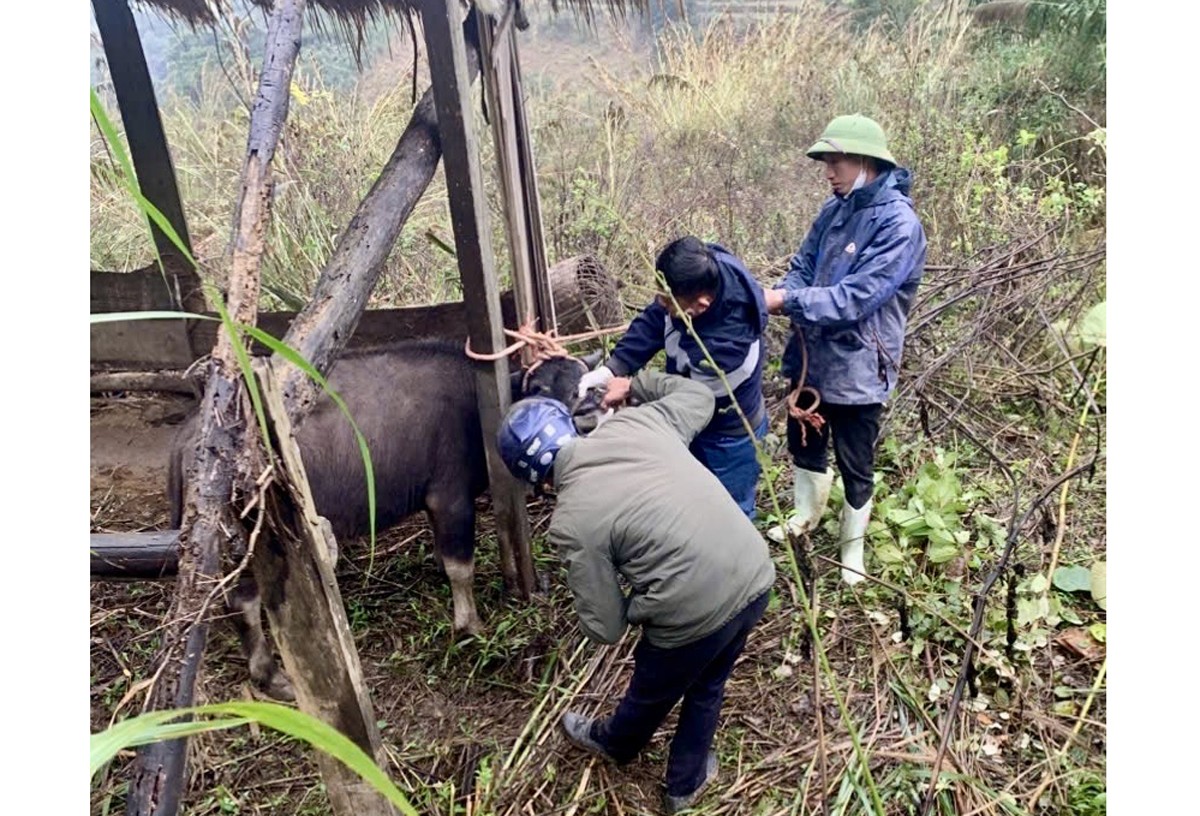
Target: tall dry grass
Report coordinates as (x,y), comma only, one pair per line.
(706,134)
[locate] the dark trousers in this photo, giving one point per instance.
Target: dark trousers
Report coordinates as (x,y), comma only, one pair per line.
(734,461)
(696,673)
(854,429)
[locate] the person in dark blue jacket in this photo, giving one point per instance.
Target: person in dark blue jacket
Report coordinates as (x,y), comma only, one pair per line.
(728,313)
(848,291)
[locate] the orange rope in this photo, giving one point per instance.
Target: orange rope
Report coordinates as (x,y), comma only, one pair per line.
(544,345)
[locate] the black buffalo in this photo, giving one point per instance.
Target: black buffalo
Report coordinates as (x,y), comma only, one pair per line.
(415,403)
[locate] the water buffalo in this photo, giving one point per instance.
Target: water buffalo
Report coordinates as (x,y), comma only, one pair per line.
(415,403)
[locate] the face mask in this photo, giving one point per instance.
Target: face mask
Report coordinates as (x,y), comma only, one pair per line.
(860,180)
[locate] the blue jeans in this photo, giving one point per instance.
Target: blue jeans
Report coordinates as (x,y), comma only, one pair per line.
(732,460)
(694,673)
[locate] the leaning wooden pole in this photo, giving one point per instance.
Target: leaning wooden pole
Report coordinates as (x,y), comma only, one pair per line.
(476,265)
(209,525)
(323,328)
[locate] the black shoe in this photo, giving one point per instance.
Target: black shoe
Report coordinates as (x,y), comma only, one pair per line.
(578,729)
(674,804)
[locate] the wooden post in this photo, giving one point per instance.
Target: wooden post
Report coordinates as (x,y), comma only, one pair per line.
(308,618)
(147,142)
(210,520)
(445,45)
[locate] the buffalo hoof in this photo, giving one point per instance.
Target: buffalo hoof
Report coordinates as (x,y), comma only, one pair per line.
(280,688)
(472,628)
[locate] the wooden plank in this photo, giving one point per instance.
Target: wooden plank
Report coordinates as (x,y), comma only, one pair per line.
(154,345)
(147,140)
(146,345)
(495,59)
(177,382)
(543,285)
(308,618)
(134,291)
(446,48)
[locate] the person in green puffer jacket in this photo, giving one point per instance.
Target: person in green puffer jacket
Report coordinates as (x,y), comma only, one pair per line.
(635,507)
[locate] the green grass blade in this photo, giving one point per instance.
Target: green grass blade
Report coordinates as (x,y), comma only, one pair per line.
(160,220)
(154,726)
(109,132)
(149,211)
(236,332)
(157,726)
(116,317)
(322,736)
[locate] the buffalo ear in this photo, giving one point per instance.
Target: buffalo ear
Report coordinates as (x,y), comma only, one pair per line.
(592,359)
(515,379)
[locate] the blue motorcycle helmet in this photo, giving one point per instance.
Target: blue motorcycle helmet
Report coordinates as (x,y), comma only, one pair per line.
(533,432)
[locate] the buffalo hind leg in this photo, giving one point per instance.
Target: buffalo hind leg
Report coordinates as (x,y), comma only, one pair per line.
(245,606)
(454,547)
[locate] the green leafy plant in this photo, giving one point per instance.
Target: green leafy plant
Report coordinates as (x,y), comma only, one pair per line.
(929,518)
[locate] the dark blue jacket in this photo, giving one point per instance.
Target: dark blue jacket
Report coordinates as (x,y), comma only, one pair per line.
(732,331)
(849,288)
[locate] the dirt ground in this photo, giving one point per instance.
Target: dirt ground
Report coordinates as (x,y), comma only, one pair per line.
(442,706)
(469,727)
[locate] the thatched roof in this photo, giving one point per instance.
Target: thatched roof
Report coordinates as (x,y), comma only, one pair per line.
(358,12)
(353,16)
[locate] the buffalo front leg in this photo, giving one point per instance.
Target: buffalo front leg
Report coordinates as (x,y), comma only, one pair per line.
(245,606)
(454,546)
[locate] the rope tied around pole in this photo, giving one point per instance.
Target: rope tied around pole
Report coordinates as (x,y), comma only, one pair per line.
(542,346)
(806,415)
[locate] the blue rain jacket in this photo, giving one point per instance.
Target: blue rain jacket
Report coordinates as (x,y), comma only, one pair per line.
(732,331)
(849,288)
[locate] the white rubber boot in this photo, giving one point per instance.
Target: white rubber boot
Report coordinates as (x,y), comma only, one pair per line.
(810,494)
(851,538)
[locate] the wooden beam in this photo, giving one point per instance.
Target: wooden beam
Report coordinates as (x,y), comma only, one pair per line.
(447,52)
(155,345)
(132,556)
(175,382)
(543,280)
(308,618)
(518,181)
(147,141)
(210,519)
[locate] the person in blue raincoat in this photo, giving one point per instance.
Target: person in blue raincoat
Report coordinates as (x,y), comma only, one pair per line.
(847,291)
(728,313)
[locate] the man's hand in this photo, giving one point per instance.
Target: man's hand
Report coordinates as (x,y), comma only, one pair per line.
(594,379)
(617,393)
(774,298)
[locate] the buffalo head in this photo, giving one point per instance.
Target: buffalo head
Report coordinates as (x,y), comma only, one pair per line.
(558,378)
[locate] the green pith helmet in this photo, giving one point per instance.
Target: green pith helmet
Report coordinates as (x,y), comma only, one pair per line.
(854,134)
